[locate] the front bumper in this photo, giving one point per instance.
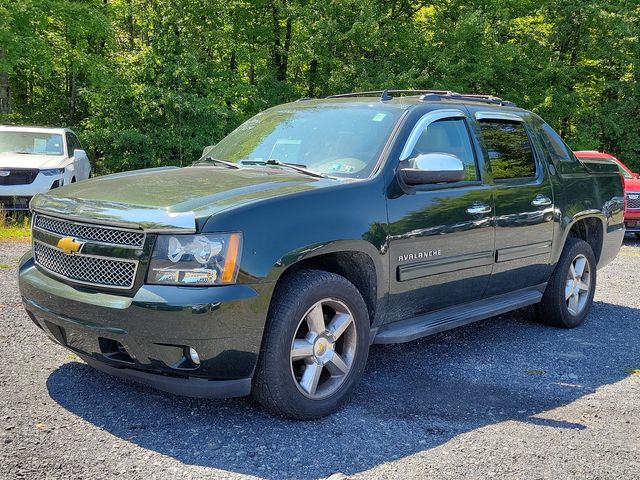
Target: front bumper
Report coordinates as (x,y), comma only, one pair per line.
(41,184)
(632,221)
(146,337)
(17,197)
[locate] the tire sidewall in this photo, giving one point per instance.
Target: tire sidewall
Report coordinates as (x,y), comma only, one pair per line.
(284,321)
(576,247)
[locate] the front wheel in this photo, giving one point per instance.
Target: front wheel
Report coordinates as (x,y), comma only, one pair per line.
(315,346)
(569,294)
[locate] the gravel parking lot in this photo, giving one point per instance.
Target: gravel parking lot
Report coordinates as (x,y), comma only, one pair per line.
(503,398)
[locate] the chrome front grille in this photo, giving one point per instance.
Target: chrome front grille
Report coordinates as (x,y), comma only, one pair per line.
(86,269)
(85,231)
(633,200)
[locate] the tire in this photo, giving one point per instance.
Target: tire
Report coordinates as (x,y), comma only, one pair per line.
(317,328)
(558,309)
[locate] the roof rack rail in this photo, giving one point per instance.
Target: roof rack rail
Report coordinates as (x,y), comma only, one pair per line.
(429,95)
(467,96)
(375,93)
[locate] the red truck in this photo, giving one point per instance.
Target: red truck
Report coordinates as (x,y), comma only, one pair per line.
(631,188)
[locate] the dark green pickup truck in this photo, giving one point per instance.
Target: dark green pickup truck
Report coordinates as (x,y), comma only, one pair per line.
(312,231)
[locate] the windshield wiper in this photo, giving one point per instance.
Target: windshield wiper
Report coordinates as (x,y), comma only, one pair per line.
(294,166)
(217,161)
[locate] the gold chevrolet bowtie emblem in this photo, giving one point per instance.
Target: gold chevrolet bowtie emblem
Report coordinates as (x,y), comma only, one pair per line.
(69,245)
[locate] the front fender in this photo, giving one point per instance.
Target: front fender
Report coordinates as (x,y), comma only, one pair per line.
(282,231)
(336,246)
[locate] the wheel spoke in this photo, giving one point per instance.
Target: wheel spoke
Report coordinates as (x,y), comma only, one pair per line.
(584,286)
(580,263)
(301,349)
(572,271)
(310,378)
(315,319)
(573,305)
(339,324)
(336,366)
(568,290)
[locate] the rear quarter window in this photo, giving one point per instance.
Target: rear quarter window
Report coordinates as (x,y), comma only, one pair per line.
(558,152)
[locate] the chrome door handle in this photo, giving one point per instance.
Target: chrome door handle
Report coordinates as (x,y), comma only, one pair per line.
(478,209)
(541,201)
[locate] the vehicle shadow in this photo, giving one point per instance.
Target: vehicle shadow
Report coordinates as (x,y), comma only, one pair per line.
(413,397)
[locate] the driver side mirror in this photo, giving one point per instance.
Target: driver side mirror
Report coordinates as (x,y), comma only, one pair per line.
(429,168)
(78,153)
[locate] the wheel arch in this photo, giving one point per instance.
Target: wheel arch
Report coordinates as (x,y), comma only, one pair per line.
(588,226)
(357,261)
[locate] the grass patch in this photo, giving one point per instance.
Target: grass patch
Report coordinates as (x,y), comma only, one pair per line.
(14,227)
(535,373)
(633,371)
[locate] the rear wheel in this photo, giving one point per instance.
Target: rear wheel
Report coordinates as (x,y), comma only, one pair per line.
(569,294)
(315,346)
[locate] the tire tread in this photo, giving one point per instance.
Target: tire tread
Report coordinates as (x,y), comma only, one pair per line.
(552,308)
(285,300)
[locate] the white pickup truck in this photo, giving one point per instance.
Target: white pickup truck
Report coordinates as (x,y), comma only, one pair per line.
(35,160)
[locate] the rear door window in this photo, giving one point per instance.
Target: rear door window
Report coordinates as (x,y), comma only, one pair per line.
(510,151)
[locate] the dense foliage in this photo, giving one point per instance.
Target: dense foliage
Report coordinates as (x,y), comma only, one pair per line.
(151,82)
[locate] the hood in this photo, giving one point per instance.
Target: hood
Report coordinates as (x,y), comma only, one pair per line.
(168,199)
(632,184)
(17,160)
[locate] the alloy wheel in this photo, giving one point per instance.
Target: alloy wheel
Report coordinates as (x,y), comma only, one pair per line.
(323,349)
(578,286)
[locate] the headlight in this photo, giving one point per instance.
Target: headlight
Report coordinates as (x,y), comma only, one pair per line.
(195,259)
(50,172)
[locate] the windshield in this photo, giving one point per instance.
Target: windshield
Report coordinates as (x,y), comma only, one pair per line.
(31,143)
(343,141)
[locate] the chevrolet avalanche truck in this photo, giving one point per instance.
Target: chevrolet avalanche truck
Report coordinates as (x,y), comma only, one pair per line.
(631,187)
(34,160)
(312,231)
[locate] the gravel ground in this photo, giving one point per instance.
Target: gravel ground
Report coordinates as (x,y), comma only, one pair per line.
(503,398)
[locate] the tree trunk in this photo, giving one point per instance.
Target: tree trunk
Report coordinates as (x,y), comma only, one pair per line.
(73,93)
(313,75)
(233,63)
(276,56)
(5,92)
(280,52)
(284,63)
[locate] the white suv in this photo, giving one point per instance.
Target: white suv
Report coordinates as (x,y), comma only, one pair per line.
(35,160)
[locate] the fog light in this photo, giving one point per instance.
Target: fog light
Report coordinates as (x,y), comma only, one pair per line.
(193,355)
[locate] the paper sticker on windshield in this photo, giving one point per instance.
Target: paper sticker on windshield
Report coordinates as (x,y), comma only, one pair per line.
(286,150)
(40,145)
(378,117)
